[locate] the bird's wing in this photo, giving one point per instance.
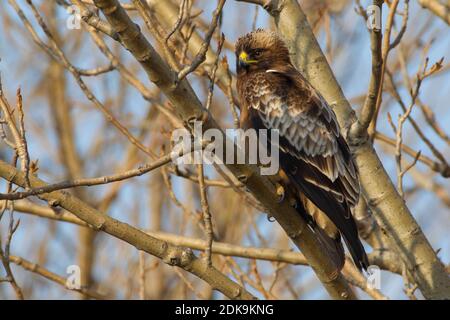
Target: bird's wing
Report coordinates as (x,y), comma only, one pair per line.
(308,131)
(313,152)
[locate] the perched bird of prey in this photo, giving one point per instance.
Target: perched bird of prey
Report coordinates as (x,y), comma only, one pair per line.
(315,160)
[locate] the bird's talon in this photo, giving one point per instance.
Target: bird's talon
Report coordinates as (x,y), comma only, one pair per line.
(243,178)
(280,192)
(205,116)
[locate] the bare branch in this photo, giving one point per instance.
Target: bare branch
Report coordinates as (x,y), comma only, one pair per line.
(37,269)
(143,169)
(201,55)
(168,253)
(369,107)
(439,9)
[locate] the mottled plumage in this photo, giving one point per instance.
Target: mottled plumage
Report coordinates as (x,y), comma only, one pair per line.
(314,157)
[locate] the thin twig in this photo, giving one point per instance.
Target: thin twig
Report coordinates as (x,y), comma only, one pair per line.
(23,141)
(206,213)
(201,55)
(63,59)
(368,110)
(142,275)
(94,181)
(5,254)
(212,75)
(37,269)
(439,9)
(178,24)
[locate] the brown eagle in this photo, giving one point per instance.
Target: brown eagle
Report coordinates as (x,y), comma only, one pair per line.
(315,160)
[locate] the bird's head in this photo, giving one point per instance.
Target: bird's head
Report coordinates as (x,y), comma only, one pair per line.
(260,50)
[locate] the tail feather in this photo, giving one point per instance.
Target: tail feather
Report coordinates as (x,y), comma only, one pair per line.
(339,213)
(334,247)
(358,254)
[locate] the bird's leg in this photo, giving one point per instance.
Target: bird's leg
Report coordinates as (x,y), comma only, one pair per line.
(333,275)
(243,178)
(293,203)
(204,117)
(280,192)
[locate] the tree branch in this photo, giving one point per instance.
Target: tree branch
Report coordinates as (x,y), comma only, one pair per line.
(35,268)
(385,259)
(91,181)
(170,254)
(360,127)
(437,8)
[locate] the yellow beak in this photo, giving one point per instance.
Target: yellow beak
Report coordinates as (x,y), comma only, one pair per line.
(244,59)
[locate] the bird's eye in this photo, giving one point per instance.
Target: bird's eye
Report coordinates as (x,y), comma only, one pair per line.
(257,53)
